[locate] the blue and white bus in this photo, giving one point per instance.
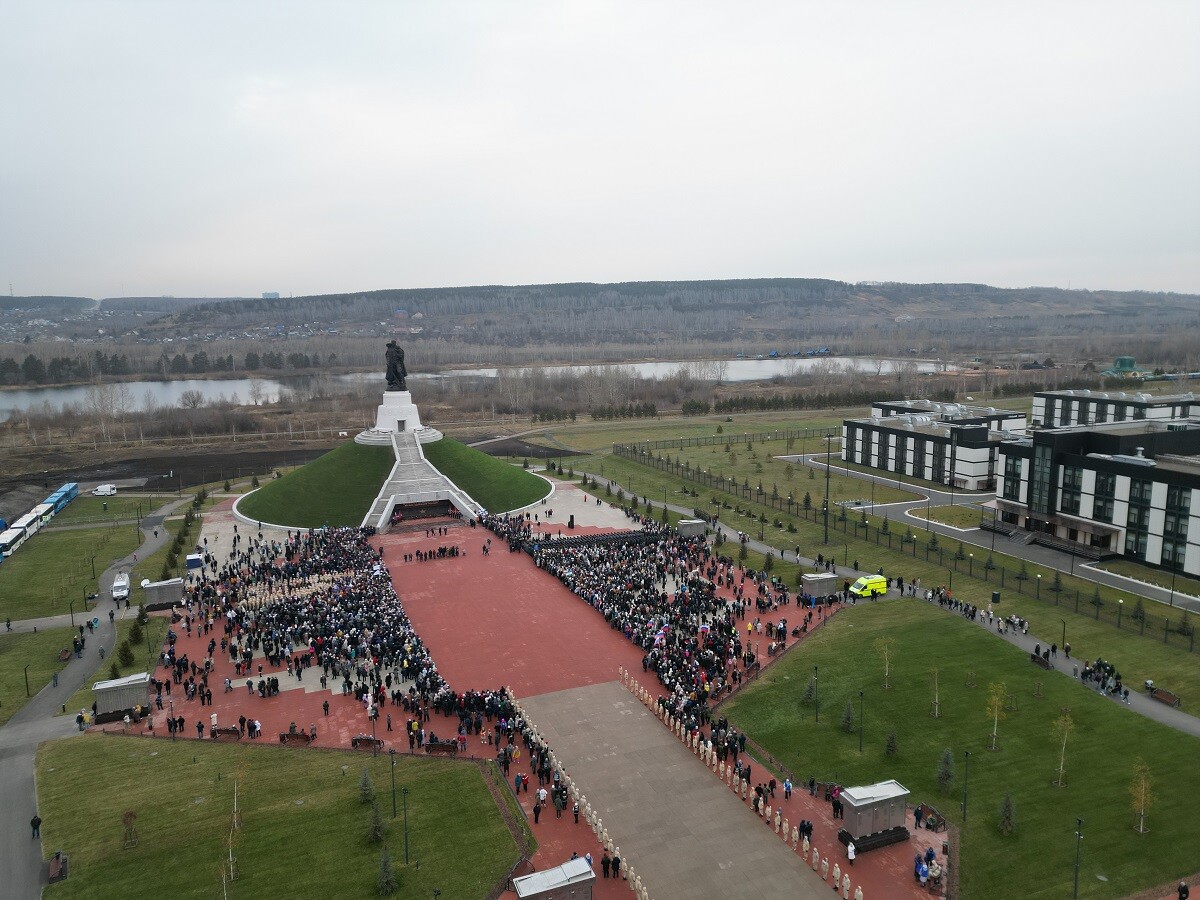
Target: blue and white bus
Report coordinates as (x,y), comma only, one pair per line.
(10,540)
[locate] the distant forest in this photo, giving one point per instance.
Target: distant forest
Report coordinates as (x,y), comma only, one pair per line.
(598,323)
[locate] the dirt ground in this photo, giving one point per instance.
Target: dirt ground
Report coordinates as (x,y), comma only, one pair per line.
(35,477)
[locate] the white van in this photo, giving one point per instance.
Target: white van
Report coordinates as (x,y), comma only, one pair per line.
(105,490)
(120,588)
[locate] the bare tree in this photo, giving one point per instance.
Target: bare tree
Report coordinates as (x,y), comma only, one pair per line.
(883,646)
(1141,794)
(1062,728)
(997,693)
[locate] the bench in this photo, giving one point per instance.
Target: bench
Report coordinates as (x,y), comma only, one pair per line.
(60,867)
(64,654)
(450,747)
(1041,661)
(931,818)
(364,742)
(294,737)
(1162,695)
(230,731)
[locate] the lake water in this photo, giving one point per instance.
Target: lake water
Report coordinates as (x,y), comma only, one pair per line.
(168,393)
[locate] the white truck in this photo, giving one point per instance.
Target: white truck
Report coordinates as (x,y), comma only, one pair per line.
(120,588)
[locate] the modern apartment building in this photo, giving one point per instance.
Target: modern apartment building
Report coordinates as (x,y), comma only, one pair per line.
(1127,488)
(947,443)
(1058,409)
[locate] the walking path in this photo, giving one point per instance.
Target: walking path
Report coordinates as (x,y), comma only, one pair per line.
(25,867)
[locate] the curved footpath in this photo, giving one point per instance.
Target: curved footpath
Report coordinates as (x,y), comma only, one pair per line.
(25,867)
(1139,703)
(975,537)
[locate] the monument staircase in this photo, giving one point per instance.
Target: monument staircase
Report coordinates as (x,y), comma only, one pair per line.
(414,480)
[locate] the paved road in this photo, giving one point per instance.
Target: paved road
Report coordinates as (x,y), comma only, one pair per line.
(1034,553)
(1139,703)
(25,869)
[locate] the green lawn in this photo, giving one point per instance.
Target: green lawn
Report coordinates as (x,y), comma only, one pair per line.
(38,651)
(1038,860)
(157,630)
(304,829)
(495,484)
(599,436)
(960,516)
(55,566)
(335,489)
(1140,656)
(1182,583)
(92,509)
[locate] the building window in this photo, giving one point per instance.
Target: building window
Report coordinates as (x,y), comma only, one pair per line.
(1102,509)
(1135,545)
(1040,485)
(1179,499)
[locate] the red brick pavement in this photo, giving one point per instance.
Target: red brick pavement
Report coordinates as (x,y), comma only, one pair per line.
(493,621)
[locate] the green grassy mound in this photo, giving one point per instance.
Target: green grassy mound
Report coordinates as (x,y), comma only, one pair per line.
(335,489)
(492,482)
(304,828)
(1037,861)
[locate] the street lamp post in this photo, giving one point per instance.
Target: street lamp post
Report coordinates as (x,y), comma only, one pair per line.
(404,802)
(1064,635)
(966,776)
(827,452)
(374,745)
(93,558)
(71,603)
(951,571)
(971,564)
(860,720)
(1039,586)
(995,509)
(392,754)
(816,696)
(1120,606)
(1078,843)
(1174,572)
(27,680)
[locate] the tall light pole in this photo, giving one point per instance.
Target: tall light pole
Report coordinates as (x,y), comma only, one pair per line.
(404,801)
(392,754)
(995,509)
(71,603)
(971,564)
(860,720)
(1039,586)
(1063,645)
(966,775)
(1078,844)
(827,452)
(1174,572)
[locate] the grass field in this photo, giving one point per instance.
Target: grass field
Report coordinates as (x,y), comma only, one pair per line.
(1037,861)
(1139,656)
(335,489)
(157,630)
(91,509)
(1182,583)
(965,515)
(492,482)
(304,829)
(598,437)
(38,651)
(56,566)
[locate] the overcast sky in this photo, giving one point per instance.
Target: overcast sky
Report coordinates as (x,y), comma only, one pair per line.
(214,149)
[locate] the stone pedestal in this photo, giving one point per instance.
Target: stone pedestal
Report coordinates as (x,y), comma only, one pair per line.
(397,413)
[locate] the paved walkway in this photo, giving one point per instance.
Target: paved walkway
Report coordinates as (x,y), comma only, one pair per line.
(1034,553)
(683,833)
(24,858)
(1139,703)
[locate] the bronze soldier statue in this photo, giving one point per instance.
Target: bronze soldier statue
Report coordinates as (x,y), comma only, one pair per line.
(396,373)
